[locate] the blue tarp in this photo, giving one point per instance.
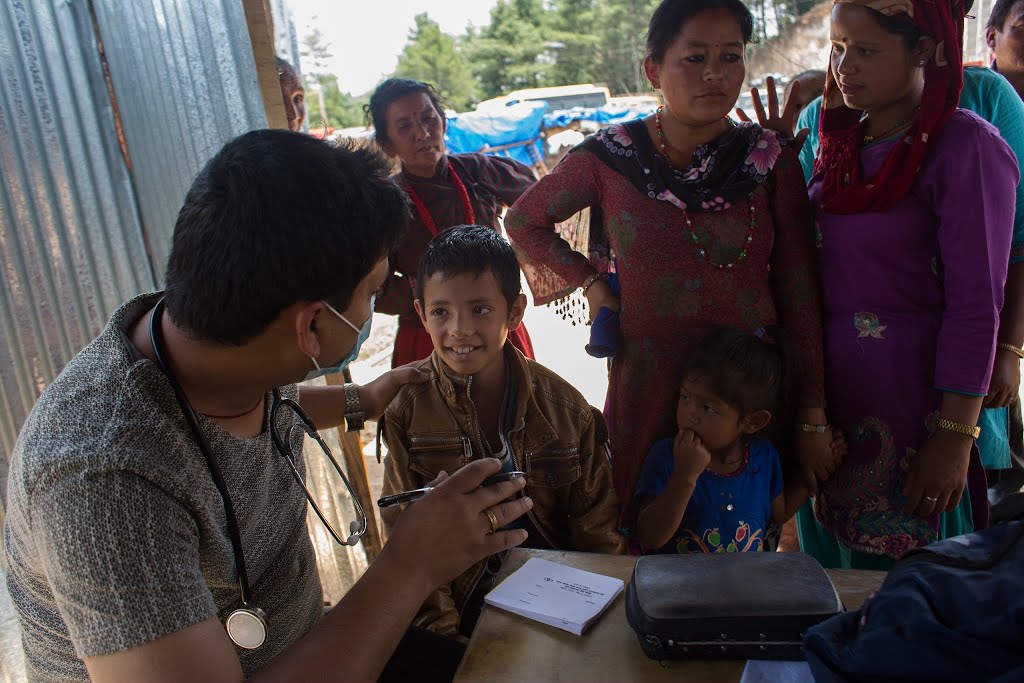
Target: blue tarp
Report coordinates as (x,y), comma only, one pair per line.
(519,123)
(606,115)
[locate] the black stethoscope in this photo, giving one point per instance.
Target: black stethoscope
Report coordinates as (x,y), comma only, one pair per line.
(247,626)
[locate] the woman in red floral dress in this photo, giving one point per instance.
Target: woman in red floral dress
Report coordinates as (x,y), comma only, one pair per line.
(707,223)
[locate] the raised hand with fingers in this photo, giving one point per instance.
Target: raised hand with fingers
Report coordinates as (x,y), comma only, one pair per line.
(785,123)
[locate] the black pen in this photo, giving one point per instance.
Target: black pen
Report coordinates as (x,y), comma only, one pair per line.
(416,494)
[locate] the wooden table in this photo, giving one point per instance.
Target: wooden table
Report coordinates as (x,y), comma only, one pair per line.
(509,648)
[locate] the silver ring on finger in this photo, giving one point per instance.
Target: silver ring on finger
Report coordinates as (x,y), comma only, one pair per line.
(930,499)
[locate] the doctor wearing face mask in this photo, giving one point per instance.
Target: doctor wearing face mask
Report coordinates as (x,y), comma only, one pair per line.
(156,520)
(364,334)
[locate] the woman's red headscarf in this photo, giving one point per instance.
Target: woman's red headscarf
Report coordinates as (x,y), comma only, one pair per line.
(843,189)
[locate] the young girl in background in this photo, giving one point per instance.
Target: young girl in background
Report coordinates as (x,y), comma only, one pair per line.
(718,484)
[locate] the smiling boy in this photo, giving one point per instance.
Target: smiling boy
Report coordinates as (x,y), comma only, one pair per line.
(485,399)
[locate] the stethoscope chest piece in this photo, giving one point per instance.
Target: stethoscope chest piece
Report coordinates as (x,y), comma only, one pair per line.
(247,627)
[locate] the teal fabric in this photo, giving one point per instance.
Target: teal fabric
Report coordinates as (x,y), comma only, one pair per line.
(819,543)
(809,118)
(994,442)
(988,95)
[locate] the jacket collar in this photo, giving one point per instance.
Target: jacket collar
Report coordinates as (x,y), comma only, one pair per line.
(453,386)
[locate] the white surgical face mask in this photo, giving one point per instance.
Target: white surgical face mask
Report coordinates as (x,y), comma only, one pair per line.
(364,334)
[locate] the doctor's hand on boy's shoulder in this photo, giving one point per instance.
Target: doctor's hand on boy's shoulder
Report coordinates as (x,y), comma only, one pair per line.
(690,454)
(375,396)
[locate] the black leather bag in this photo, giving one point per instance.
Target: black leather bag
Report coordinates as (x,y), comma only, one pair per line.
(728,606)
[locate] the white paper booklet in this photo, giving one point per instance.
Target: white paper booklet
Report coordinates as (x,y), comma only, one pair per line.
(564,597)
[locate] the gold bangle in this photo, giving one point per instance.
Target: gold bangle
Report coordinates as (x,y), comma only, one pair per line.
(589,282)
(816,429)
(959,427)
(1019,352)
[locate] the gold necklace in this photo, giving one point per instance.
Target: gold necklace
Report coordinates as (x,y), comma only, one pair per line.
(894,129)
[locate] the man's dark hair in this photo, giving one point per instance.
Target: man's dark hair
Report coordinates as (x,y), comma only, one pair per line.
(473,249)
(1000,10)
(277,218)
(392,90)
(671,15)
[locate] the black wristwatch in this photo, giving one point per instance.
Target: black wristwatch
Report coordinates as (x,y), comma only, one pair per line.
(354,416)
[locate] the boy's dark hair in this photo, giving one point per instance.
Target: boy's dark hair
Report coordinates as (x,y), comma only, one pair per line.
(745,370)
(391,90)
(1000,10)
(473,249)
(273,219)
(670,16)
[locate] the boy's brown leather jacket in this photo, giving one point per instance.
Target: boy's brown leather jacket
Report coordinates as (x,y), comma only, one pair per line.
(559,440)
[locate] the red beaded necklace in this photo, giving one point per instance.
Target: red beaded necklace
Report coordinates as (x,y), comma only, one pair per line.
(706,255)
(424,214)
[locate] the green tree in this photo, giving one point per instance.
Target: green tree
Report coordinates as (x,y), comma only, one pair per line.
(340,110)
(622,28)
(434,57)
(513,51)
(326,104)
(316,52)
(574,38)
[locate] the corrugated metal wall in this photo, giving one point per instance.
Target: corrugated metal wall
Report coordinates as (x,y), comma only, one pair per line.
(286,40)
(75,220)
(71,246)
(185,83)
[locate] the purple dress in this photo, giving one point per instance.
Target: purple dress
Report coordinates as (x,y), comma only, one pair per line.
(911,303)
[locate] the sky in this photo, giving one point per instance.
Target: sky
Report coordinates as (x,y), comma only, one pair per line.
(366,36)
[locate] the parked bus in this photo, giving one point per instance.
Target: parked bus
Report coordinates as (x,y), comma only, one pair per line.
(559,97)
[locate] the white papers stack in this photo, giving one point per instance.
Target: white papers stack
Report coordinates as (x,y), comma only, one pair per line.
(563,597)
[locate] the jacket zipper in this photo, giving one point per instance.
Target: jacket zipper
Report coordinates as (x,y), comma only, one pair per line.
(436,439)
(523,467)
(473,414)
(479,434)
(508,443)
(467,447)
(555,451)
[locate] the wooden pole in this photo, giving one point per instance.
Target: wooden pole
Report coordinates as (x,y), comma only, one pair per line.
(355,467)
(261,37)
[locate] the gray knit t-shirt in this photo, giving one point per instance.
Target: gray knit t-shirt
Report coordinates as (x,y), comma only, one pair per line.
(116,534)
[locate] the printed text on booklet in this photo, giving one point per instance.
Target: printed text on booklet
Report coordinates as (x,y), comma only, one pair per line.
(564,597)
